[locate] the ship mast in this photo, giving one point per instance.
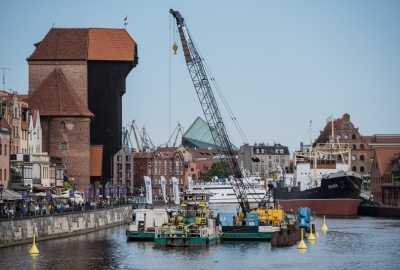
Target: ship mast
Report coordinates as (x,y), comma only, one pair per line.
(315,157)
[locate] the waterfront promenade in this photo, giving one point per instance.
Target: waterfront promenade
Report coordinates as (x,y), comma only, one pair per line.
(76,220)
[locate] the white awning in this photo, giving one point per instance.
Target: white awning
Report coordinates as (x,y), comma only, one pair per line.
(9,195)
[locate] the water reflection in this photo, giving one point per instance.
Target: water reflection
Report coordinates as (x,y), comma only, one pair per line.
(348,244)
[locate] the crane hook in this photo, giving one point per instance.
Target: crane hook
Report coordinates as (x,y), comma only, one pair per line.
(175,48)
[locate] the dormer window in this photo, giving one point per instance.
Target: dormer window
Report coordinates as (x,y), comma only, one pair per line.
(346,126)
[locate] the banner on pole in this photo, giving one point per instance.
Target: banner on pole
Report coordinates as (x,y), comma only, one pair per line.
(149,191)
(163,185)
(175,190)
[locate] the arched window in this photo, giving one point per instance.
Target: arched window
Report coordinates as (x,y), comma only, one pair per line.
(362,169)
(353,158)
(354,147)
(62,125)
(339,157)
(346,157)
(354,169)
(353,136)
(362,147)
(346,126)
(362,157)
(339,136)
(346,137)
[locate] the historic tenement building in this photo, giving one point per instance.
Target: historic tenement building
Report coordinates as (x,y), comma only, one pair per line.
(385,171)
(262,159)
(5,132)
(156,164)
(14,109)
(345,132)
(76,81)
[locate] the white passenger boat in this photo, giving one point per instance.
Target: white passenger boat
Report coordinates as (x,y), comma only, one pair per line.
(223,192)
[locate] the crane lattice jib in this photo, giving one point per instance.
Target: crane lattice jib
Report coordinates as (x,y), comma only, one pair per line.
(209,105)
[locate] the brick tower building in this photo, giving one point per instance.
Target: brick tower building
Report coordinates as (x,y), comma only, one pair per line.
(345,132)
(77,80)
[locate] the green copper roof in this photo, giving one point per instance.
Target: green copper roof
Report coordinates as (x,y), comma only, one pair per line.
(199,135)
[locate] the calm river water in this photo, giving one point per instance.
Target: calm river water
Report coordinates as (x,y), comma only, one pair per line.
(363,243)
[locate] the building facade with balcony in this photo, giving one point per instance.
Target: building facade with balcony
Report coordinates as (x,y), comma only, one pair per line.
(123,169)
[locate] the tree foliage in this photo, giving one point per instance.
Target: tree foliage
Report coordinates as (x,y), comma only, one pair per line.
(220,169)
(68,185)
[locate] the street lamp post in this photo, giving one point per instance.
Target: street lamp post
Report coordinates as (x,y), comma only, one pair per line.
(118,195)
(1,191)
(101,194)
(90,190)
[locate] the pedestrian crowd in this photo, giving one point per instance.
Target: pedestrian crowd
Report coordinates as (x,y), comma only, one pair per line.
(40,208)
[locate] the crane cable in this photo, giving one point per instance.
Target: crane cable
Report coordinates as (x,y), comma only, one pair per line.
(230,112)
(221,95)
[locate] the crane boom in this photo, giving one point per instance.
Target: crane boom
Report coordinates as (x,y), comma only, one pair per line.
(209,105)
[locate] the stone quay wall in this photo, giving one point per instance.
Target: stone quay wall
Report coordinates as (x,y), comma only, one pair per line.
(20,231)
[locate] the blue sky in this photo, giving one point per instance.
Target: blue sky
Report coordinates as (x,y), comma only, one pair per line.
(279,64)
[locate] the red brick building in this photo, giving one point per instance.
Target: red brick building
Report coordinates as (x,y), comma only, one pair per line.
(5,132)
(77,80)
(156,164)
(346,132)
(385,173)
(197,169)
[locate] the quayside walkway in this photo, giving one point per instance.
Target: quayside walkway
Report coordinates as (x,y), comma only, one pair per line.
(77,220)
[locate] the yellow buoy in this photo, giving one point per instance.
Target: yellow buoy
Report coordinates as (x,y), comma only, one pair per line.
(316,234)
(324,227)
(312,242)
(311,236)
(302,245)
(34,249)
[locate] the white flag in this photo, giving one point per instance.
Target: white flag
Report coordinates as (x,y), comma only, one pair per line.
(163,184)
(175,190)
(190,183)
(149,191)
